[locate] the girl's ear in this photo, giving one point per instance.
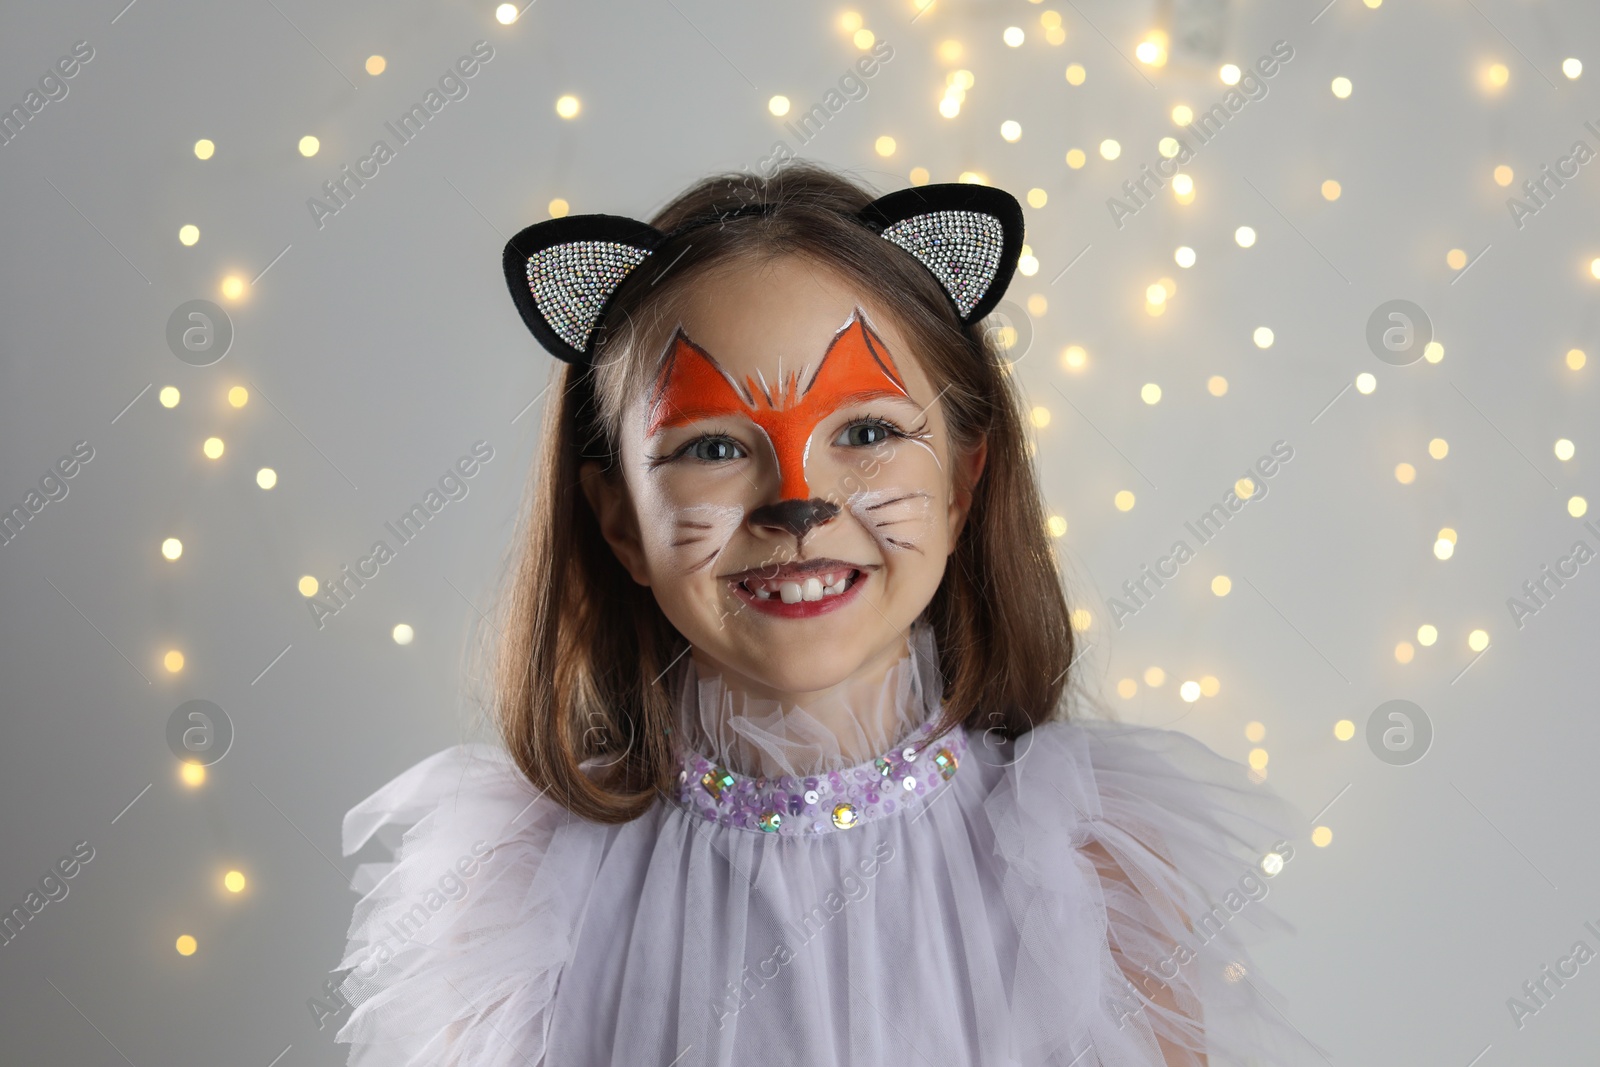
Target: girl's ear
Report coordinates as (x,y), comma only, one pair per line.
(968,469)
(619,522)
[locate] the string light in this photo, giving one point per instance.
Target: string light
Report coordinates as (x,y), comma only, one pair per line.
(376,65)
(567,106)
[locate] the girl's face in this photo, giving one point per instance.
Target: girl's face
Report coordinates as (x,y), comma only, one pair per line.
(791,496)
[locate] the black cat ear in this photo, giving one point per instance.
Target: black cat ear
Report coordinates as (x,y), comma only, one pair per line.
(968,236)
(563,272)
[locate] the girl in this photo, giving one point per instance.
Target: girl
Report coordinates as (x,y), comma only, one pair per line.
(786,773)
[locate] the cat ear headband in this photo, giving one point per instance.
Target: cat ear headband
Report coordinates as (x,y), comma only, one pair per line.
(563,272)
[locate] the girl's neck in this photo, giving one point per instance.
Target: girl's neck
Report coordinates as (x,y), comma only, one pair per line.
(752,729)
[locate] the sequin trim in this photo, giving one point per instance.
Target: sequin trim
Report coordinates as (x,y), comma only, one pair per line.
(904,778)
(571,283)
(961,248)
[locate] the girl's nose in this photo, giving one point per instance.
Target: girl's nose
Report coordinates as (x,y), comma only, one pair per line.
(796,517)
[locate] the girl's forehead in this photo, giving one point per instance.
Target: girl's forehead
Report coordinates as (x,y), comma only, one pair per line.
(777,320)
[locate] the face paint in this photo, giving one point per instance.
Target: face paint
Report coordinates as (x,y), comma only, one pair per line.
(693,386)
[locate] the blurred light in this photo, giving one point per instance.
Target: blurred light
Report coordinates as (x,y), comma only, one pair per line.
(1080,619)
(863,39)
(1038,198)
(1447,533)
(1153,49)
(376,65)
(1126,688)
(1403,652)
(884,146)
(1564,449)
(403,634)
(1057,526)
(1271,863)
(1405,473)
(1577,507)
(1594,267)
(1229,74)
(1503,175)
(238,396)
(1217,385)
(1011,130)
(1037,304)
(1040,416)
(1184,257)
(1456,258)
(779,106)
(1110,149)
(1572,67)
(1478,640)
(919,175)
(1576,359)
(1258,759)
(233,287)
(950,51)
(168,396)
(309,146)
(850,21)
(1262,337)
(1244,236)
(1244,488)
(567,106)
(1183,188)
(1183,114)
(308,585)
(558,208)
(1321,836)
(203,149)
(1076,74)
(1330,190)
(1344,729)
(1365,383)
(1073,357)
(1124,502)
(1499,74)
(1189,692)
(1076,158)
(1433,351)
(186,945)
(1155,294)
(1013,36)
(172,548)
(1438,448)
(1341,87)
(1168,147)
(1154,677)
(234,881)
(192,774)
(1427,634)
(1444,549)
(266,477)
(506,14)
(188,235)
(212,448)
(1150,393)
(1254,732)
(173,661)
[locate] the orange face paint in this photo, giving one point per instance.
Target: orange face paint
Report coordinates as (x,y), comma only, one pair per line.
(693,386)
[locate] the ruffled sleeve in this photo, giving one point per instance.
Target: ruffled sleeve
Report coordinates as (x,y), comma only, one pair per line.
(1137,865)
(455,951)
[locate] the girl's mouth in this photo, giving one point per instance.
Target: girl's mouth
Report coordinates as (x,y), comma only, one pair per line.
(801,598)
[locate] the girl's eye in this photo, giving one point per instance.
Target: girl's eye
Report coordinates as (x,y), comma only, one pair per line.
(713,449)
(869,431)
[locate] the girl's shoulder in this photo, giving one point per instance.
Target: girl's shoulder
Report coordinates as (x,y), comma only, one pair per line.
(455,947)
(1174,849)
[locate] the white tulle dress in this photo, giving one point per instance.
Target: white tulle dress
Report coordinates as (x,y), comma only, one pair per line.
(1066,898)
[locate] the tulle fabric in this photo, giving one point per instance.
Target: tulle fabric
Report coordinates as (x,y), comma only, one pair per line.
(1030,914)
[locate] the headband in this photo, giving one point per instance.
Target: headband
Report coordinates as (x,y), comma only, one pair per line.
(563,272)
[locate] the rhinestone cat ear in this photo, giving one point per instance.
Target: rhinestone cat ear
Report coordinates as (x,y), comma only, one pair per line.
(562,272)
(968,236)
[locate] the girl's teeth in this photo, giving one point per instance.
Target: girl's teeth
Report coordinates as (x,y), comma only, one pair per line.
(810,589)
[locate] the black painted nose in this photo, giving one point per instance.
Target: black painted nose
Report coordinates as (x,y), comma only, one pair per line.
(795,516)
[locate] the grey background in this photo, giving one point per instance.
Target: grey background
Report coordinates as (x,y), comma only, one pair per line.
(381,346)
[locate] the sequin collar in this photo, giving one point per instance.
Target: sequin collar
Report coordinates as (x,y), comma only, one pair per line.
(905,777)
